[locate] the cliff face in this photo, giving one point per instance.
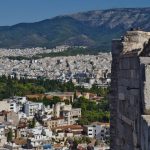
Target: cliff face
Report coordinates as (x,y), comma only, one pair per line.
(94,28)
(130,92)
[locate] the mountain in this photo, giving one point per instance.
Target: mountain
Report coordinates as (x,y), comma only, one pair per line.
(93,28)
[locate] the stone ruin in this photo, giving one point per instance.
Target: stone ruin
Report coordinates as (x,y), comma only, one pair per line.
(130,92)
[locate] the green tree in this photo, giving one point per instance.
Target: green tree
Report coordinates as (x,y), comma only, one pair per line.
(32,123)
(55,100)
(75,144)
(75,95)
(67,102)
(9,135)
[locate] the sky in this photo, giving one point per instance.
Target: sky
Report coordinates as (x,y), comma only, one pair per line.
(17,11)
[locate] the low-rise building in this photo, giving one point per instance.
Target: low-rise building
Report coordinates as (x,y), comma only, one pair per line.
(4,105)
(54,122)
(70,115)
(3,138)
(97,130)
(62,95)
(13,118)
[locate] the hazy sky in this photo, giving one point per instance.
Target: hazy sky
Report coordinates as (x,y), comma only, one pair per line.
(16,11)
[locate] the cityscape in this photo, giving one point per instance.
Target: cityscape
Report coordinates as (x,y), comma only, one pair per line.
(75,75)
(41,119)
(72,68)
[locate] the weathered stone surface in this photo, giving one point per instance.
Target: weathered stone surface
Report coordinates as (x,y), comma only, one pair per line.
(147,89)
(134,74)
(124,64)
(124,82)
(145,132)
(131,92)
(132,100)
(126,120)
(121,96)
(121,93)
(135,41)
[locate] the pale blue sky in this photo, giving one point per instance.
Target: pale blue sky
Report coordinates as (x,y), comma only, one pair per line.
(16,11)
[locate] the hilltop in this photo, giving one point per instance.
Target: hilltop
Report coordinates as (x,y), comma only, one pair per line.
(92,29)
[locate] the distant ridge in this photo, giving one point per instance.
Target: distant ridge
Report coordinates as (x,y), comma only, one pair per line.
(93,29)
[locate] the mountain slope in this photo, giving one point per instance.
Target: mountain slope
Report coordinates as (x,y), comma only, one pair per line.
(94,28)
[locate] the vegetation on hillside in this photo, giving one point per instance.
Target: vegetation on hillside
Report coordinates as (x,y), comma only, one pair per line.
(69,52)
(96,28)
(91,111)
(13,87)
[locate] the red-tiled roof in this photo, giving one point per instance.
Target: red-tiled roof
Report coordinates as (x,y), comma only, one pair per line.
(72,127)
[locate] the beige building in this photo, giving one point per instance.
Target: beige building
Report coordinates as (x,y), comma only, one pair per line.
(70,115)
(2,118)
(13,118)
(54,122)
(4,105)
(3,140)
(63,115)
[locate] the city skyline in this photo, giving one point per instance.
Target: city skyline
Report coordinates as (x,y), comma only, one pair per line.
(16,11)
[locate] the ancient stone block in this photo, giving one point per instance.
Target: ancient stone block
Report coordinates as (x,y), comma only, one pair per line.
(124,64)
(134,92)
(134,63)
(126,120)
(132,100)
(124,82)
(131,96)
(145,132)
(134,73)
(121,96)
(147,88)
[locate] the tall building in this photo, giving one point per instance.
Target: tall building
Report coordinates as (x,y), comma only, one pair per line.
(130,92)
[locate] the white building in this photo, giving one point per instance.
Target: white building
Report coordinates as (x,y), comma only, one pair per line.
(22,100)
(97,130)
(2,131)
(40,135)
(8,105)
(13,106)
(31,108)
(21,115)
(3,138)
(38,131)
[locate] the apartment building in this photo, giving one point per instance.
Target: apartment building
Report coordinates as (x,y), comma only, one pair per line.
(97,130)
(31,108)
